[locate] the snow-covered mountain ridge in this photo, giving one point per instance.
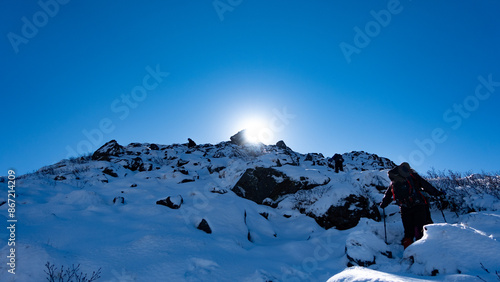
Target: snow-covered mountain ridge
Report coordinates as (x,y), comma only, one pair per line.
(223,164)
(223,212)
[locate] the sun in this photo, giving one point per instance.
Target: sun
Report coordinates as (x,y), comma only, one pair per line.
(255,129)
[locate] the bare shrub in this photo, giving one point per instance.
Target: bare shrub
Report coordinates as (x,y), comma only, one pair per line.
(70,274)
(461,186)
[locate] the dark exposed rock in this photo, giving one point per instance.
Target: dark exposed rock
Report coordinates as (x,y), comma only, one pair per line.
(239,138)
(171,202)
(138,165)
(108,150)
(259,183)
(281,144)
(110,172)
(119,200)
(204,226)
(133,185)
(146,167)
(191,143)
(186,180)
(135,164)
(356,262)
(347,215)
(316,158)
(60,177)
(182,162)
(154,147)
(217,169)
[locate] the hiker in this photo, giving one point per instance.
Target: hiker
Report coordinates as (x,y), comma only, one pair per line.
(339,162)
(407,189)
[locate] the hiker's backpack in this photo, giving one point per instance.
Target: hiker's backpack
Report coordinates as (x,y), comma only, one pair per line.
(338,158)
(406,193)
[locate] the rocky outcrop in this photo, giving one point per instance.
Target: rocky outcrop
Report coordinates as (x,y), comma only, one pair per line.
(108,150)
(270,186)
(191,143)
(110,172)
(239,138)
(360,160)
(347,214)
(135,164)
(258,184)
(281,144)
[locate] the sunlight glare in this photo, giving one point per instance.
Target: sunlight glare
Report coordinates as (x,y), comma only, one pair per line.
(253,129)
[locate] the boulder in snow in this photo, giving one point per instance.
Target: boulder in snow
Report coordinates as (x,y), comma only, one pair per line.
(347,214)
(171,202)
(363,248)
(259,183)
(203,226)
(119,200)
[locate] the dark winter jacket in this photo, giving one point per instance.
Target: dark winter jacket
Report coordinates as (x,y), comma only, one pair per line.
(406,188)
(337,158)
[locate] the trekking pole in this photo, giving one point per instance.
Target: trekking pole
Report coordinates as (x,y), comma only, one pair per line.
(385,228)
(443,216)
(440,205)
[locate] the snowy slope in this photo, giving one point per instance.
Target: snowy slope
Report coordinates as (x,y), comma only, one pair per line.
(72,213)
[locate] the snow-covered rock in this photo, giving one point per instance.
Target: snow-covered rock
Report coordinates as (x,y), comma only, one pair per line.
(360,160)
(110,149)
(453,249)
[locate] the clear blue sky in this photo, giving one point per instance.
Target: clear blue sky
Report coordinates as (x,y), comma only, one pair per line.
(409,80)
